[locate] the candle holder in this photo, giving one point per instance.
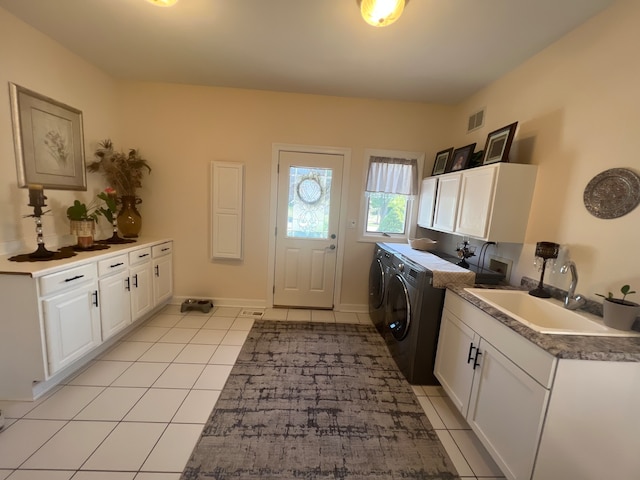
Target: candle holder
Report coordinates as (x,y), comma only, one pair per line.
(115,239)
(36,200)
(465,251)
(545,251)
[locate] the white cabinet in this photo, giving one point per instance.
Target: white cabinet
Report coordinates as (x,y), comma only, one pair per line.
(162,272)
(475,201)
(57,315)
(446,209)
(497,381)
(427,201)
(490,203)
(115,295)
(72,324)
(141,282)
(539,417)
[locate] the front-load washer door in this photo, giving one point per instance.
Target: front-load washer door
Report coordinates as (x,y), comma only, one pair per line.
(376,284)
(399,313)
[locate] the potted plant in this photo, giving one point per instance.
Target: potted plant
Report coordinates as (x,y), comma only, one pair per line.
(124,172)
(619,313)
(83,217)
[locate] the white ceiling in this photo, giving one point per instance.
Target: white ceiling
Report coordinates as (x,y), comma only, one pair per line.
(439,51)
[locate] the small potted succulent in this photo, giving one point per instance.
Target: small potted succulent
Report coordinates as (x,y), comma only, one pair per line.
(83,217)
(619,313)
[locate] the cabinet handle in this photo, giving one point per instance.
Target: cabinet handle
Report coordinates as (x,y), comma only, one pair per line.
(157,270)
(95,298)
(143,255)
(127,284)
(471,349)
(73,278)
(116,265)
(476,363)
(164,249)
(135,280)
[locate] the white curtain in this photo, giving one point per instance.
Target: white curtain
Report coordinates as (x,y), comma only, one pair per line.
(392,175)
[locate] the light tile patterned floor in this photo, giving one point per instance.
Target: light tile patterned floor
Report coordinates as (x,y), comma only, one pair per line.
(136,412)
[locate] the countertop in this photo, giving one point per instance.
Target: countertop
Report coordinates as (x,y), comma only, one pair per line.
(38,269)
(578,347)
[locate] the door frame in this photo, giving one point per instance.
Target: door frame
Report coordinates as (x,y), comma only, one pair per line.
(276,148)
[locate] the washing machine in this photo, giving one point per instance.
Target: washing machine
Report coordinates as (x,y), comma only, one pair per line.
(379,274)
(412,320)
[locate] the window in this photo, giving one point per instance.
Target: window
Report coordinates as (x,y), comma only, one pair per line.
(391,187)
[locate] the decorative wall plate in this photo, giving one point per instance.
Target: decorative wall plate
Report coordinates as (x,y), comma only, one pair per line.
(612,193)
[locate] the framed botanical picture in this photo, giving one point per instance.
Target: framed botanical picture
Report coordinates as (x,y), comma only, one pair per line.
(440,163)
(460,158)
(498,144)
(48,141)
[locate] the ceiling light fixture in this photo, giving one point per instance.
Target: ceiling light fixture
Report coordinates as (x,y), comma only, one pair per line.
(381,13)
(163,3)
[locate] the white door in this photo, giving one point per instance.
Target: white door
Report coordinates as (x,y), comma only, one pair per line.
(72,325)
(457,345)
(141,290)
(308,210)
(115,303)
(506,411)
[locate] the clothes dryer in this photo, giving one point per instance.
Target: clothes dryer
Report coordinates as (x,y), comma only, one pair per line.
(379,274)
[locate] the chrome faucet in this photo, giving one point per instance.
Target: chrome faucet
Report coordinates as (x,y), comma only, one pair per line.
(571,300)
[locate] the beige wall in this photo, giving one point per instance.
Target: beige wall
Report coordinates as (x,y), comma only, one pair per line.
(578,104)
(34,61)
(181,129)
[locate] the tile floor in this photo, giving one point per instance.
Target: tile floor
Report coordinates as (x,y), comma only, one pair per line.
(136,412)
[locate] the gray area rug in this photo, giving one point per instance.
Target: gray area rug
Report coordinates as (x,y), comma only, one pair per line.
(317,401)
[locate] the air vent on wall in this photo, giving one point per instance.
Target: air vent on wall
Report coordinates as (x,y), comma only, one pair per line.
(476,120)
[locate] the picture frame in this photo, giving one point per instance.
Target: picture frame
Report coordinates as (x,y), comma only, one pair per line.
(460,158)
(441,160)
(499,144)
(48,140)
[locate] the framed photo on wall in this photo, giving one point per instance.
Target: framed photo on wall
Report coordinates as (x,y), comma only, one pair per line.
(440,163)
(48,140)
(498,144)
(460,158)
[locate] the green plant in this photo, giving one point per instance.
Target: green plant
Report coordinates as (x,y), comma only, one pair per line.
(625,290)
(123,171)
(81,211)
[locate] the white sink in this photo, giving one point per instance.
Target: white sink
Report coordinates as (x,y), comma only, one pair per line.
(546,315)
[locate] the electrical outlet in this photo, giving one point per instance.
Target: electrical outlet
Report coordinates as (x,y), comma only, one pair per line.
(501,265)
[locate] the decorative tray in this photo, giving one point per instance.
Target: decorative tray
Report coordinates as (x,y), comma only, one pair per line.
(612,193)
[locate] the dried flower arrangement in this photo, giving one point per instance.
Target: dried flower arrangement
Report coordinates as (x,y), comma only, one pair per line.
(123,171)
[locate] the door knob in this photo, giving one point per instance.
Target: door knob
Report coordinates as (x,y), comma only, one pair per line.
(332,247)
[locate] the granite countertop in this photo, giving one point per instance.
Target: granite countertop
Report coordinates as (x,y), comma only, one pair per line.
(578,347)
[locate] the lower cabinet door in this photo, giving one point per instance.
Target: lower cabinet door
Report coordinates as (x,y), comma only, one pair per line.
(115,304)
(506,411)
(457,345)
(162,279)
(141,290)
(72,325)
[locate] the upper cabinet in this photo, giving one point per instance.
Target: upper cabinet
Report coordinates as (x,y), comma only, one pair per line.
(427,201)
(489,203)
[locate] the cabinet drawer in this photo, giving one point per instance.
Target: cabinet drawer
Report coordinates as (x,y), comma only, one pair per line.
(57,282)
(162,249)
(139,256)
(113,265)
